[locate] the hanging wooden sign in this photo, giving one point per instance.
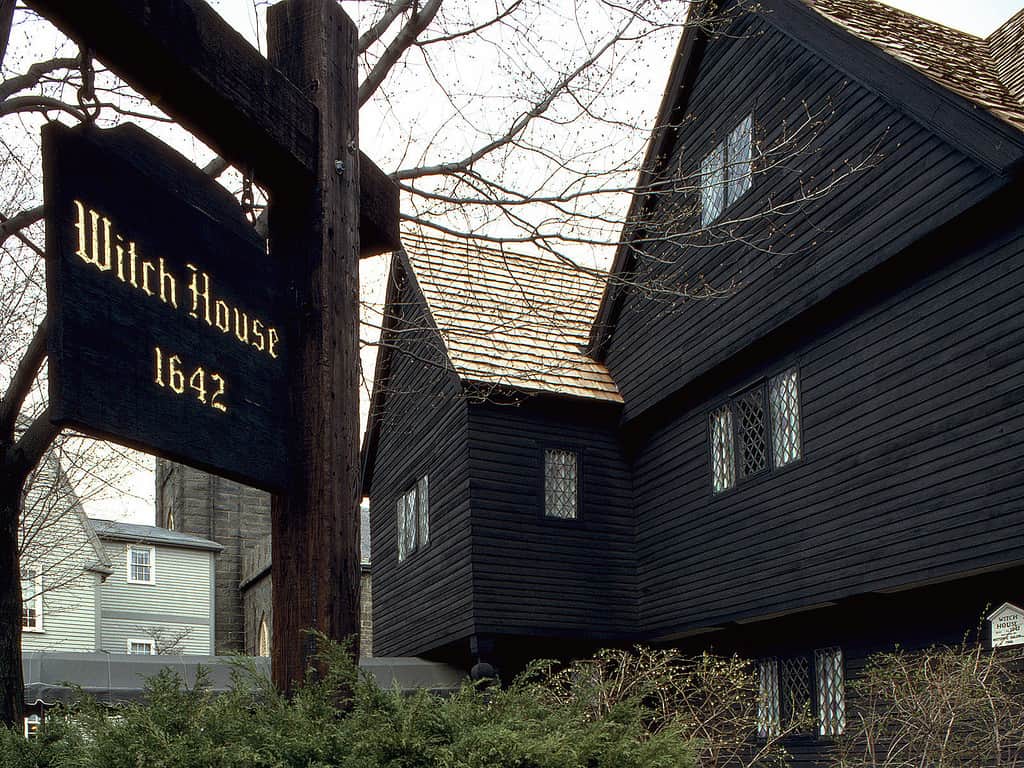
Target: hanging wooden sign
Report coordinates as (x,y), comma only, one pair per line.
(165,309)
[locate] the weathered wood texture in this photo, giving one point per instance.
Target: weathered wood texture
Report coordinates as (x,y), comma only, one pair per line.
(939,614)
(539,575)
(314,229)
(191,285)
(426,601)
(916,182)
(911,420)
(186,59)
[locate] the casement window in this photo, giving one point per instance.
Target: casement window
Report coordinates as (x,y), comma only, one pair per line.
(141,564)
(140,647)
(413,516)
(561,483)
(31,600)
(787,687)
(830,683)
(758,429)
(727,171)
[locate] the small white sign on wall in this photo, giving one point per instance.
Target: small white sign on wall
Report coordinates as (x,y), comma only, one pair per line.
(1007,625)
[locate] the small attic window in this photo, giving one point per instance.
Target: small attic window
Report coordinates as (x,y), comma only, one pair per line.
(726,172)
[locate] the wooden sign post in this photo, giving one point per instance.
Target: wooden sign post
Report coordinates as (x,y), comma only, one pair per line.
(295,126)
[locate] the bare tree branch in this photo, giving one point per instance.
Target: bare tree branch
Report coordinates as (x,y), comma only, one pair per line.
(374,32)
(34,75)
(14,224)
(405,39)
(32,446)
(21,383)
(6,16)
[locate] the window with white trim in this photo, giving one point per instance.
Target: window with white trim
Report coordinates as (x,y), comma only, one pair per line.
(561,483)
(31,600)
(141,564)
(756,430)
(413,518)
(32,725)
(727,171)
(140,647)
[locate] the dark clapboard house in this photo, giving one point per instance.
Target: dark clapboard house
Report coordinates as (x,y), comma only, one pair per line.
(822,463)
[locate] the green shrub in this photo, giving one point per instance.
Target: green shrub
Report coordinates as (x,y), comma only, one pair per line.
(620,710)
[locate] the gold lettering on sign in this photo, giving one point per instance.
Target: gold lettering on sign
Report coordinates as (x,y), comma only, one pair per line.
(101,246)
(169,374)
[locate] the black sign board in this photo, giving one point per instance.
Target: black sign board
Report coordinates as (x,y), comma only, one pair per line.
(166,321)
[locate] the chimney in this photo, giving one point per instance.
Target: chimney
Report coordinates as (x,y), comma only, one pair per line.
(1006,46)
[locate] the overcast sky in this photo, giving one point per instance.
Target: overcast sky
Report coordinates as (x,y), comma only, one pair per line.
(979,17)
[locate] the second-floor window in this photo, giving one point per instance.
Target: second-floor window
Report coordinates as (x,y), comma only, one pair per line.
(141,564)
(726,172)
(413,516)
(31,600)
(561,483)
(756,430)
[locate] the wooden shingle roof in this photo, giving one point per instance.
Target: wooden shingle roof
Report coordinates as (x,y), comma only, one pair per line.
(969,66)
(510,319)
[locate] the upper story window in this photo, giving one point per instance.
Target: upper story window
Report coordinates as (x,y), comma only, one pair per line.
(413,516)
(561,483)
(757,429)
(726,172)
(140,647)
(263,638)
(31,600)
(141,564)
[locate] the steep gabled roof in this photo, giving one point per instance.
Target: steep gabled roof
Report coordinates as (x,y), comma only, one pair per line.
(967,90)
(512,320)
(965,64)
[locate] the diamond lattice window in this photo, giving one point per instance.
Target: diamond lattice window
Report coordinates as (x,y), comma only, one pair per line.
(828,664)
(751,442)
(413,516)
(723,474)
(794,688)
(784,399)
(712,185)
(768,698)
(561,484)
(740,154)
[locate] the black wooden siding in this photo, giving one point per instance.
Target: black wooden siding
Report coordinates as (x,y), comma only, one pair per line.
(915,182)
(425,601)
(913,428)
(535,575)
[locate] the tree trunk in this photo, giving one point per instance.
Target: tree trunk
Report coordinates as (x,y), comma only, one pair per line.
(12,684)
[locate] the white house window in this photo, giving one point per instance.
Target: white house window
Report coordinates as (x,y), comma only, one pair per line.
(768,698)
(31,600)
(140,647)
(141,564)
(561,484)
(413,516)
(32,725)
(828,664)
(727,171)
(784,399)
(723,473)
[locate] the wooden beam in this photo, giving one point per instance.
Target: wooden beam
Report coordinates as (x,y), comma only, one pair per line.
(188,61)
(314,228)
